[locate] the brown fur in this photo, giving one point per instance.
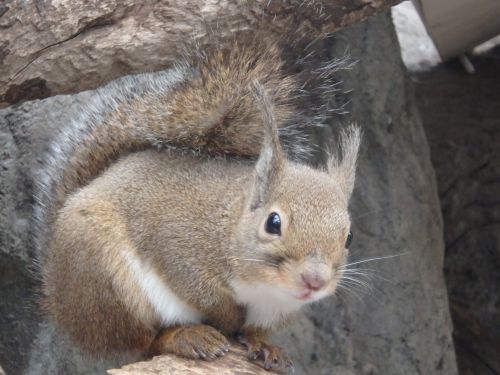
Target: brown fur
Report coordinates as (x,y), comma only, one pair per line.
(197,341)
(214,113)
(197,222)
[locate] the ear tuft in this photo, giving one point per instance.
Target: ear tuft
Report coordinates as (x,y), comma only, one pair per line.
(342,164)
(271,160)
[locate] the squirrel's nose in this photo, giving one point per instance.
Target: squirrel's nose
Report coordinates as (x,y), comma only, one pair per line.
(313,280)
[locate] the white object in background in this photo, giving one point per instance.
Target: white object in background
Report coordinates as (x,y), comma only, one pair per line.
(457,26)
(417,49)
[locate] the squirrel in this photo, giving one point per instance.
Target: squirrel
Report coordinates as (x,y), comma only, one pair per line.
(170,218)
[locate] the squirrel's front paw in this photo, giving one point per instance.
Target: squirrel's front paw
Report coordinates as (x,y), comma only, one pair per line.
(197,341)
(274,358)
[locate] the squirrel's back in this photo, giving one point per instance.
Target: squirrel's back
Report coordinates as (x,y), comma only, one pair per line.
(202,105)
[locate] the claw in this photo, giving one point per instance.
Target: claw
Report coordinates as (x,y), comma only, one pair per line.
(253,355)
(273,357)
(198,341)
(201,354)
(266,352)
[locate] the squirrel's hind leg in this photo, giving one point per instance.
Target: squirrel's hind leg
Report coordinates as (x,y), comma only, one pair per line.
(190,341)
(90,291)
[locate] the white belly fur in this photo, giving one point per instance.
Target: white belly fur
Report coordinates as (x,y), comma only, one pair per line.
(170,308)
(266,305)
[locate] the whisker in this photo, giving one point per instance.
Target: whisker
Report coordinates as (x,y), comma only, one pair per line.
(365,270)
(351,285)
(358,282)
(364,278)
(371,275)
(344,291)
(352,273)
(361,281)
(357,294)
(355,288)
(354,281)
(371,260)
(379,275)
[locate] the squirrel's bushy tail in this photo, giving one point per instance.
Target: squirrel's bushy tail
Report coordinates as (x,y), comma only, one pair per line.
(206,106)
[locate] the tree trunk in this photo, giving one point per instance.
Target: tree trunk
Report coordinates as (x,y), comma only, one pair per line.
(62,47)
(234,362)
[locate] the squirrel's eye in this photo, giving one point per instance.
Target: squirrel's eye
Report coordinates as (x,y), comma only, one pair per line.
(348,241)
(273,224)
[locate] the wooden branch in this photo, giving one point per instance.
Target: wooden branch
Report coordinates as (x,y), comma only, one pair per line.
(49,48)
(234,362)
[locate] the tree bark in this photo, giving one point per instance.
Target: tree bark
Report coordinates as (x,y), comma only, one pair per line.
(234,362)
(62,47)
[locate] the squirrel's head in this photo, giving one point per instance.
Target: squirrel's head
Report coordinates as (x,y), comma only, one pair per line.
(294,233)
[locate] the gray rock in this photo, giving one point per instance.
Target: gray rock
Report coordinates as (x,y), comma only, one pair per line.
(399,326)
(53,353)
(24,134)
(461,115)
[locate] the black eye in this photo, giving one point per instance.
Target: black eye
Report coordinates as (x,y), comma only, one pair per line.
(348,241)
(273,224)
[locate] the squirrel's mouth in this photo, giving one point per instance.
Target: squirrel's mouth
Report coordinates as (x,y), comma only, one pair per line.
(305,296)
(309,295)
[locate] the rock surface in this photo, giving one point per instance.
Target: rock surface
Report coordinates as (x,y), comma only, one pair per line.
(402,325)
(24,134)
(461,114)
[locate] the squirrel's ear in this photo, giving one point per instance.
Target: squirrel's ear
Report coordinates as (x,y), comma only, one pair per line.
(271,159)
(342,164)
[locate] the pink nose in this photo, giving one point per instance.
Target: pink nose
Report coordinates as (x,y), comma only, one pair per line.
(313,281)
